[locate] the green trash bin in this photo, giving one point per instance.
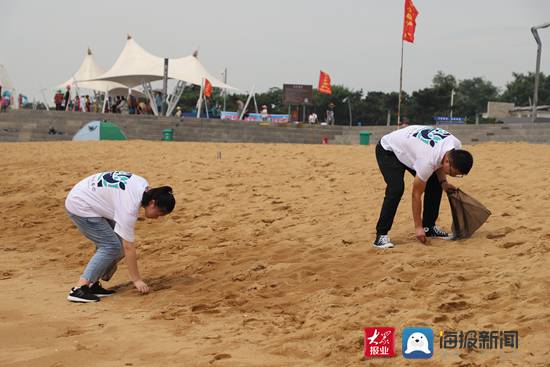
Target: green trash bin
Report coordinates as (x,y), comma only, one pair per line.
(364,137)
(168,134)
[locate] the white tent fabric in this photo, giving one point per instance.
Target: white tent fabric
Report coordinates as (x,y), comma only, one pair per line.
(190,70)
(89,69)
(5,81)
(136,66)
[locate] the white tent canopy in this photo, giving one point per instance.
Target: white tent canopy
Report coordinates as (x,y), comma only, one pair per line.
(136,66)
(190,70)
(89,69)
(5,81)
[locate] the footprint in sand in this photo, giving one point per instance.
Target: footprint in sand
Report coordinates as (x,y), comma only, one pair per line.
(511,244)
(453,306)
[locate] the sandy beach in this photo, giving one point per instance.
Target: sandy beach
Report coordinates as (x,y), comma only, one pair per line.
(267,259)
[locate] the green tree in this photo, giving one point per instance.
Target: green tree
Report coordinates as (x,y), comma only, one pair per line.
(520,90)
(472,96)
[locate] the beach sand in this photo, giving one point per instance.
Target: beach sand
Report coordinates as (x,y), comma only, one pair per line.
(267,259)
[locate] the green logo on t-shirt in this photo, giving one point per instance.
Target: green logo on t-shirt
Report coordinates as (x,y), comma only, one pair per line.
(116,179)
(431,136)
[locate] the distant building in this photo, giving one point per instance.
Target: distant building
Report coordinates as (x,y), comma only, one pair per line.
(509,113)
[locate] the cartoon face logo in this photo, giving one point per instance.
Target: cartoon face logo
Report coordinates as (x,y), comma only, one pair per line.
(431,136)
(116,179)
(417,343)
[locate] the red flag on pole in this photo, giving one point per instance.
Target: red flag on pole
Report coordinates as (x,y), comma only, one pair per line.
(207,88)
(409,24)
(324,83)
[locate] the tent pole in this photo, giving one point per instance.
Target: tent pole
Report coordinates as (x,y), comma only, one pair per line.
(247,102)
(199,102)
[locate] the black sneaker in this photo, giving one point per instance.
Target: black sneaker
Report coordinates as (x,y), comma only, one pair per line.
(82,294)
(97,290)
(436,232)
(382,241)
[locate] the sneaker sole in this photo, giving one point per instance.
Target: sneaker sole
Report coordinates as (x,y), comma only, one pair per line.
(383,247)
(81,300)
(103,295)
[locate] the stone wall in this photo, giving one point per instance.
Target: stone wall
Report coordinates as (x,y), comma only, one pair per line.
(34,125)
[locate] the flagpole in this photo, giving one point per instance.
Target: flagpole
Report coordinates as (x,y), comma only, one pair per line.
(400,87)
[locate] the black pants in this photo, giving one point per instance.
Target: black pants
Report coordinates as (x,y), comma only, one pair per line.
(394,172)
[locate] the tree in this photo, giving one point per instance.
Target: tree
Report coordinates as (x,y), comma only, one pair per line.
(472,97)
(520,90)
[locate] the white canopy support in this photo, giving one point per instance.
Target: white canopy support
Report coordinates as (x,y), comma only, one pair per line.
(44,97)
(175,97)
(199,102)
(149,94)
(251,95)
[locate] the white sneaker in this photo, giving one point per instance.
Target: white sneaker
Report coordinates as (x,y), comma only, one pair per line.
(382,241)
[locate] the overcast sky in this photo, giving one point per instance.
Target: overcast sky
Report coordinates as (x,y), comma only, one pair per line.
(358,42)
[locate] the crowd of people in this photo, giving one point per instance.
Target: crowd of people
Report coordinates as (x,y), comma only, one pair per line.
(130,104)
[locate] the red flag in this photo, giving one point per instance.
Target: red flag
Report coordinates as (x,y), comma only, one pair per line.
(207,88)
(324,83)
(409,24)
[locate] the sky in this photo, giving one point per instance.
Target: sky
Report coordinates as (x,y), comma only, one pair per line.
(266,44)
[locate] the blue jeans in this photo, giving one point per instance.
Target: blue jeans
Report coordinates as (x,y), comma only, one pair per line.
(108,245)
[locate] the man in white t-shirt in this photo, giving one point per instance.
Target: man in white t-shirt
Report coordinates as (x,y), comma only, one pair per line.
(105,208)
(430,154)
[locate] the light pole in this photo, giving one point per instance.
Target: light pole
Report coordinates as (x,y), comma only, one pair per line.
(452,101)
(348,100)
(535,32)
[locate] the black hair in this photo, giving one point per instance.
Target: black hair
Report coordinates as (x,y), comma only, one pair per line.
(461,160)
(164,199)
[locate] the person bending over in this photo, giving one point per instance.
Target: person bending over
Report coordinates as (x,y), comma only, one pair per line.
(429,154)
(105,208)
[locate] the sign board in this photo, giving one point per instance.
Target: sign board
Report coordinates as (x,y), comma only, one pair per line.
(449,120)
(297,94)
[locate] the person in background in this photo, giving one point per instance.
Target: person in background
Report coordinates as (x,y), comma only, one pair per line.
(312,118)
(58,100)
(76,104)
(67,98)
(264,113)
(88,104)
(158,102)
(132,103)
(330,114)
(123,106)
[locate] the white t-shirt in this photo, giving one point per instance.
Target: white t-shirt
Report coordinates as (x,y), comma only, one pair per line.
(420,148)
(113,195)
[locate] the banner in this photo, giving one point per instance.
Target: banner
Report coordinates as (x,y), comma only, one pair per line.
(207,88)
(324,83)
(228,115)
(409,25)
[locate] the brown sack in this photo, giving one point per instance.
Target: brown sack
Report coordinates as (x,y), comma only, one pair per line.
(468,214)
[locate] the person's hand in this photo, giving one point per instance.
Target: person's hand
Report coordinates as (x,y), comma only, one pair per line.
(141,286)
(421,235)
(447,187)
